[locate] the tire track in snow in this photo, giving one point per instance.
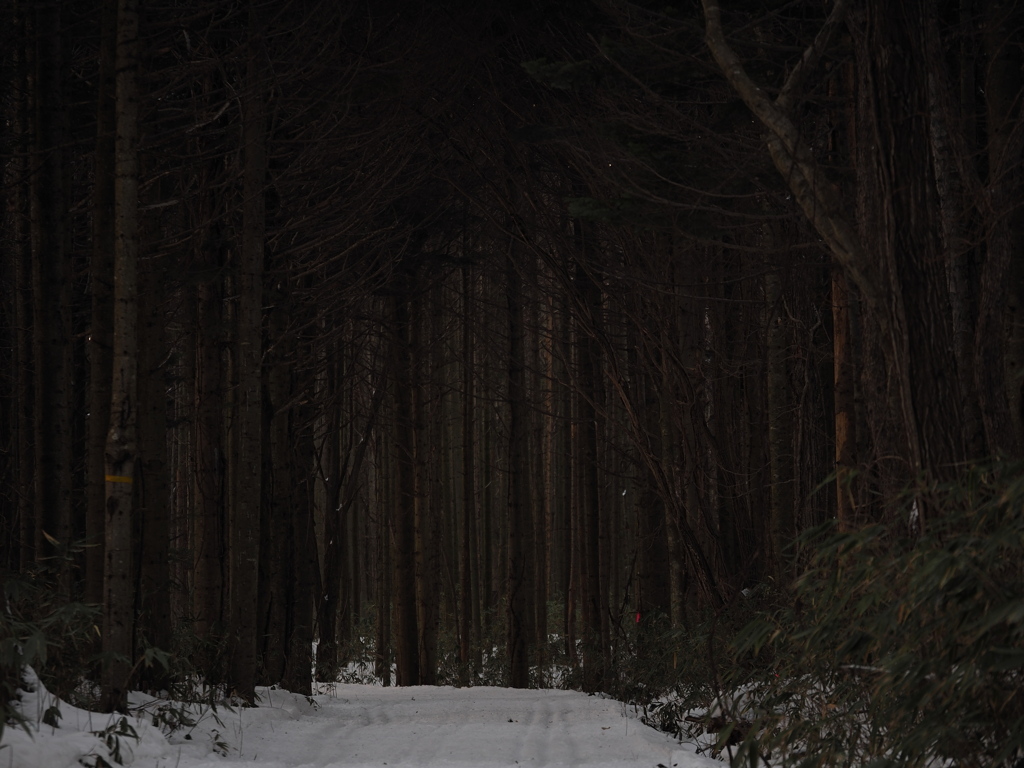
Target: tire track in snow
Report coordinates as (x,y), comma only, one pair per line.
(361,726)
(427,736)
(535,743)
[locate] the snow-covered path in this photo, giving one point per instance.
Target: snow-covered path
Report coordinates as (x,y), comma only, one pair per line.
(371,726)
(353,726)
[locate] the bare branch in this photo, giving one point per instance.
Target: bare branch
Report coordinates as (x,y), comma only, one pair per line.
(794,83)
(817,195)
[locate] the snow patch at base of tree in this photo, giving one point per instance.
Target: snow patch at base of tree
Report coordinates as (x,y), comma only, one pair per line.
(56,734)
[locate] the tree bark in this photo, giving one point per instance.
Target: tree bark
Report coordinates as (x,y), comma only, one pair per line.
(591,396)
(469,506)
(278,515)
(403,531)
(51,290)
(153,490)
(519,640)
(427,417)
(894,262)
(1003,109)
(19,210)
(244,514)
(780,430)
(385,497)
(902,227)
(843,395)
(101,290)
(122,448)
(299,654)
(210,545)
(327,661)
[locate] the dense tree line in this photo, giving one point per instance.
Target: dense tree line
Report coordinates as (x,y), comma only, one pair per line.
(468,319)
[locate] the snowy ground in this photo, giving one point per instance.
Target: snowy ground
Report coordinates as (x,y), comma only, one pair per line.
(362,725)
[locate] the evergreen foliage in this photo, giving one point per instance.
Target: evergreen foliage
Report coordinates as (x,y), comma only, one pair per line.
(892,648)
(39,629)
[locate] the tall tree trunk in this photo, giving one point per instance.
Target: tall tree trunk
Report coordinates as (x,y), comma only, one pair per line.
(244,514)
(276,598)
(385,503)
(469,507)
(487,495)
(895,259)
(843,396)
(653,587)
(19,209)
(403,522)
(342,488)
(209,430)
(299,659)
(101,290)
(903,225)
(1005,146)
(949,127)
(51,280)
(427,416)
(540,466)
(153,491)
(182,467)
(519,640)
(780,430)
(672,524)
(210,543)
(122,449)
(591,398)
(563,470)
(327,661)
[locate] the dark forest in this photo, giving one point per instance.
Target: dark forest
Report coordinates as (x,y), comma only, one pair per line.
(668,346)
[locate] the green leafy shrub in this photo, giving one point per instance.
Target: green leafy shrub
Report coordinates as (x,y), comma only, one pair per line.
(57,639)
(896,649)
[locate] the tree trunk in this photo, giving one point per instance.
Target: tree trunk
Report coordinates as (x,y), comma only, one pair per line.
(122,449)
(403,522)
(181,462)
(469,507)
(540,466)
(244,514)
(210,543)
(843,394)
(427,418)
(654,590)
(780,430)
(299,660)
(903,225)
(153,491)
(949,126)
(51,289)
(518,641)
(672,524)
(276,597)
(591,396)
(1005,146)
(385,497)
(21,232)
(327,662)
(895,260)
(101,290)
